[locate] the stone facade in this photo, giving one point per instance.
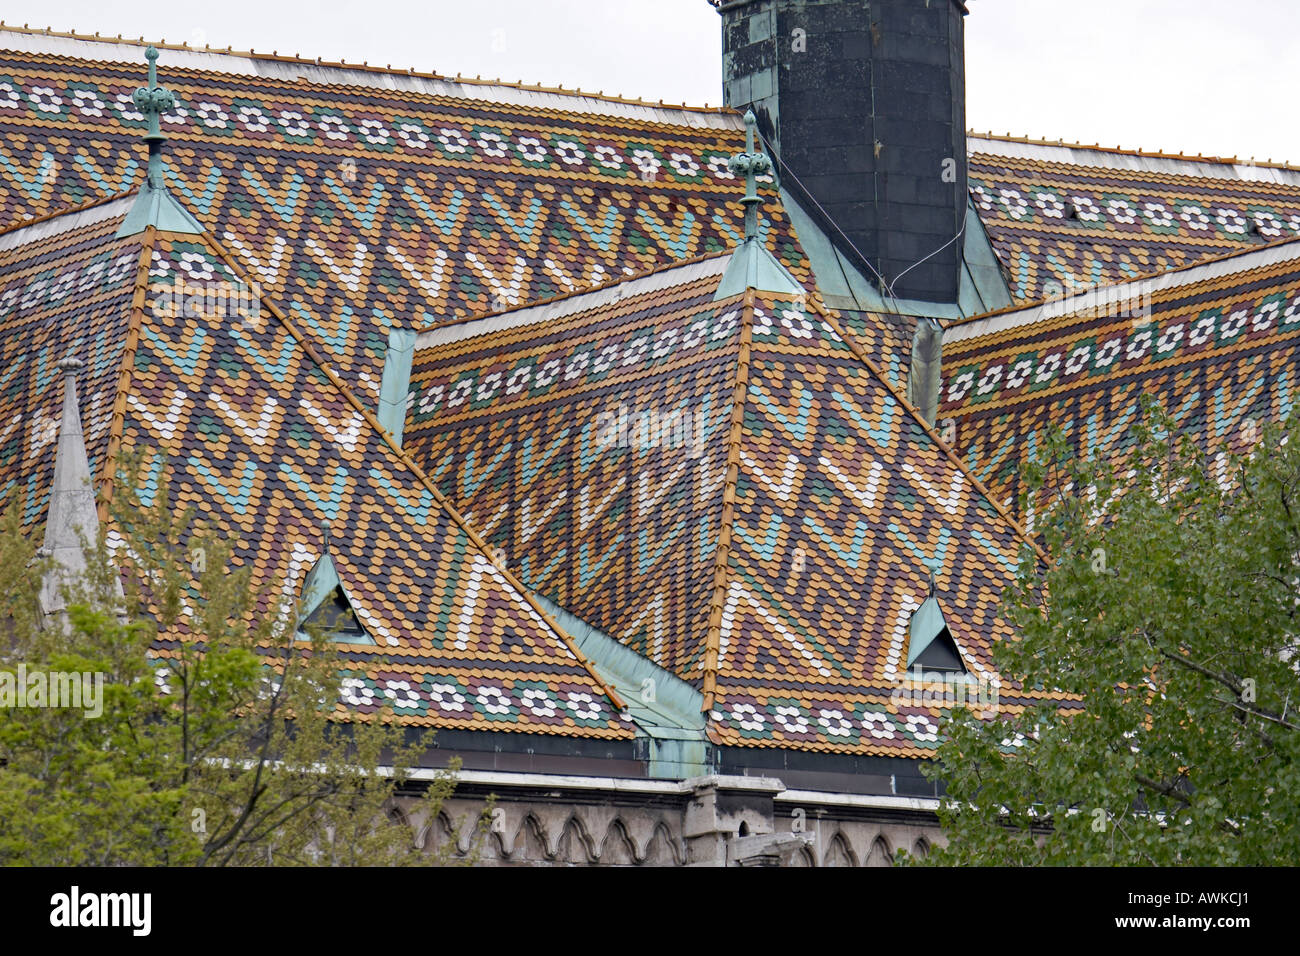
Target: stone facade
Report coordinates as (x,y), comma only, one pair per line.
(707,821)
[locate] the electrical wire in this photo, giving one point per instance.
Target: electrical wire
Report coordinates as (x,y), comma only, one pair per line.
(887,287)
(931,255)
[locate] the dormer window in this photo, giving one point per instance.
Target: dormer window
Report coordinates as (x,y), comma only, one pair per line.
(325,604)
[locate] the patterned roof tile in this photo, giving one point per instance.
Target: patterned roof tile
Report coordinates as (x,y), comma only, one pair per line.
(1062,218)
(367,207)
(1215,343)
(258,434)
(772,550)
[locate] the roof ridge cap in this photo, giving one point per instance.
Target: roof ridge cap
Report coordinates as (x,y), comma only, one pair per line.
(117,424)
(722,552)
(1128,151)
(365,67)
(68,210)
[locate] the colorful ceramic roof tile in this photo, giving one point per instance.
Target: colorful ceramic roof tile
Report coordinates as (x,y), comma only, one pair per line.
(366,200)
(729,487)
(1215,343)
(585,438)
(258,434)
(1062,217)
(66,288)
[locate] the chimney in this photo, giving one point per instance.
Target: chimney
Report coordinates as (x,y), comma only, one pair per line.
(863,103)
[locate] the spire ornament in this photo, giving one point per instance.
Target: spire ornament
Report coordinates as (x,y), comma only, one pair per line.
(751,164)
(154,206)
(752,266)
(152,101)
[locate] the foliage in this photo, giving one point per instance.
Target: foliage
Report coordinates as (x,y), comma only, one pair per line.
(1168,607)
(218,742)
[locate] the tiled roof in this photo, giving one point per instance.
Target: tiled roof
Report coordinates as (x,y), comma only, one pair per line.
(66,287)
(1083,216)
(262,438)
(731,488)
(585,439)
(365,200)
(1216,343)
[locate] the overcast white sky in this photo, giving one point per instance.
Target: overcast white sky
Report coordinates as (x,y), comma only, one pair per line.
(1180,75)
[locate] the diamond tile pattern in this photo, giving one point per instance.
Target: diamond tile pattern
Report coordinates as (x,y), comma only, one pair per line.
(1219,353)
(1059,224)
(842,493)
(362,209)
(784,558)
(263,440)
(589,446)
(64,290)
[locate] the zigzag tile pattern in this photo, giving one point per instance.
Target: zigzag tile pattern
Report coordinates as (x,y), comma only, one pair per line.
(363,209)
(259,437)
(1218,353)
(802,565)
(842,494)
(587,444)
(1063,225)
(64,291)
(264,444)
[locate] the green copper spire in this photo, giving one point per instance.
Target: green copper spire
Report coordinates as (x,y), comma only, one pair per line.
(751,265)
(750,164)
(154,100)
(155,206)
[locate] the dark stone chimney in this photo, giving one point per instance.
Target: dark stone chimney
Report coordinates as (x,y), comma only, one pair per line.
(863,102)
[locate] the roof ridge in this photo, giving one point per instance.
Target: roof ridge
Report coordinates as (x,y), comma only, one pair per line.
(1123,151)
(1118,283)
(276,56)
(860,353)
(117,423)
(448,508)
(67,210)
(574,293)
(722,552)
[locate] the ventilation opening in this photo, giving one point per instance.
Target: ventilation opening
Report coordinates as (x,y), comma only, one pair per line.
(336,619)
(931,646)
(325,604)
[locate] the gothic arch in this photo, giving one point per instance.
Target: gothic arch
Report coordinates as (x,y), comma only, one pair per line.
(880,854)
(575,845)
(839,853)
(921,848)
(804,857)
(494,849)
(437,834)
(617,849)
(661,850)
(530,841)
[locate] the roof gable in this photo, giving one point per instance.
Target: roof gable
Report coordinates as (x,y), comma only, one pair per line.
(771,551)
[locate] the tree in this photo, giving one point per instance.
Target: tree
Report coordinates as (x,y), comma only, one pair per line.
(224,747)
(1168,611)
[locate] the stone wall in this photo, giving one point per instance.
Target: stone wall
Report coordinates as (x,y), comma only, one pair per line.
(713,821)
